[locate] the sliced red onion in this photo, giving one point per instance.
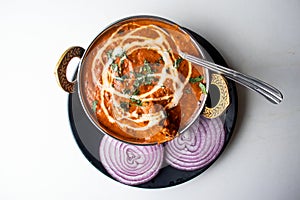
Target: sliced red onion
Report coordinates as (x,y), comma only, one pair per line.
(130,164)
(196,147)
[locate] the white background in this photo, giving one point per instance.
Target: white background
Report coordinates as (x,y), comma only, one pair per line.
(39,159)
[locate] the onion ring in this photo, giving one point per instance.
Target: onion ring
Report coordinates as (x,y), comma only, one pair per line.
(198,146)
(130,164)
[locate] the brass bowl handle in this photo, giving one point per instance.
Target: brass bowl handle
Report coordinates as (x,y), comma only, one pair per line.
(224,100)
(61,68)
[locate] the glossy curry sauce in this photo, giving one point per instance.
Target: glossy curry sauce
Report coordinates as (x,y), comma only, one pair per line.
(142,91)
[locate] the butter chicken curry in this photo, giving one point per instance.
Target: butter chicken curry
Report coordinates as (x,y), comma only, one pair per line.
(139,88)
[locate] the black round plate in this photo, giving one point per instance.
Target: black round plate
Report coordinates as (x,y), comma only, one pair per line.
(88,137)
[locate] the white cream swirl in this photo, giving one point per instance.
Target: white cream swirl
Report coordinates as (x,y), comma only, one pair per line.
(129,42)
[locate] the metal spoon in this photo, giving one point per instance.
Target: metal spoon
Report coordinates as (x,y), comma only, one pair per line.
(266,90)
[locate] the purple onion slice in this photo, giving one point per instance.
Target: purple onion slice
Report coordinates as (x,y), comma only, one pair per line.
(196,147)
(130,164)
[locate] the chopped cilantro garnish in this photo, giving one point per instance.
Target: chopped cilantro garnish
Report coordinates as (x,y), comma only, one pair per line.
(94,105)
(148,82)
(133,72)
(203,89)
(114,67)
(201,85)
(147,67)
(136,83)
(136,101)
(124,77)
(177,62)
(196,79)
(136,92)
(109,54)
(126,91)
(122,61)
(138,75)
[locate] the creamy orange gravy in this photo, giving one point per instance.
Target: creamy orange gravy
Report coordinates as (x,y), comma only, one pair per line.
(141,89)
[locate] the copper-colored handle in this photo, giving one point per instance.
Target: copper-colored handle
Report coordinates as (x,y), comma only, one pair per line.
(219,81)
(61,68)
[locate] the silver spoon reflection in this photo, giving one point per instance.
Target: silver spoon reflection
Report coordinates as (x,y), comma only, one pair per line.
(266,90)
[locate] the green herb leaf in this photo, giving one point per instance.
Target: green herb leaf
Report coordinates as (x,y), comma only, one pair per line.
(139,102)
(136,92)
(138,75)
(147,67)
(124,77)
(177,62)
(94,105)
(122,61)
(119,70)
(114,67)
(136,101)
(148,80)
(196,79)
(126,91)
(109,53)
(203,89)
(119,79)
(133,72)
(136,83)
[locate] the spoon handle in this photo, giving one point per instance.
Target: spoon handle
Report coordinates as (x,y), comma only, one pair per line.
(263,88)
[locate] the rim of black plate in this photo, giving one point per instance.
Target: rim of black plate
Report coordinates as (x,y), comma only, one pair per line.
(169,176)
